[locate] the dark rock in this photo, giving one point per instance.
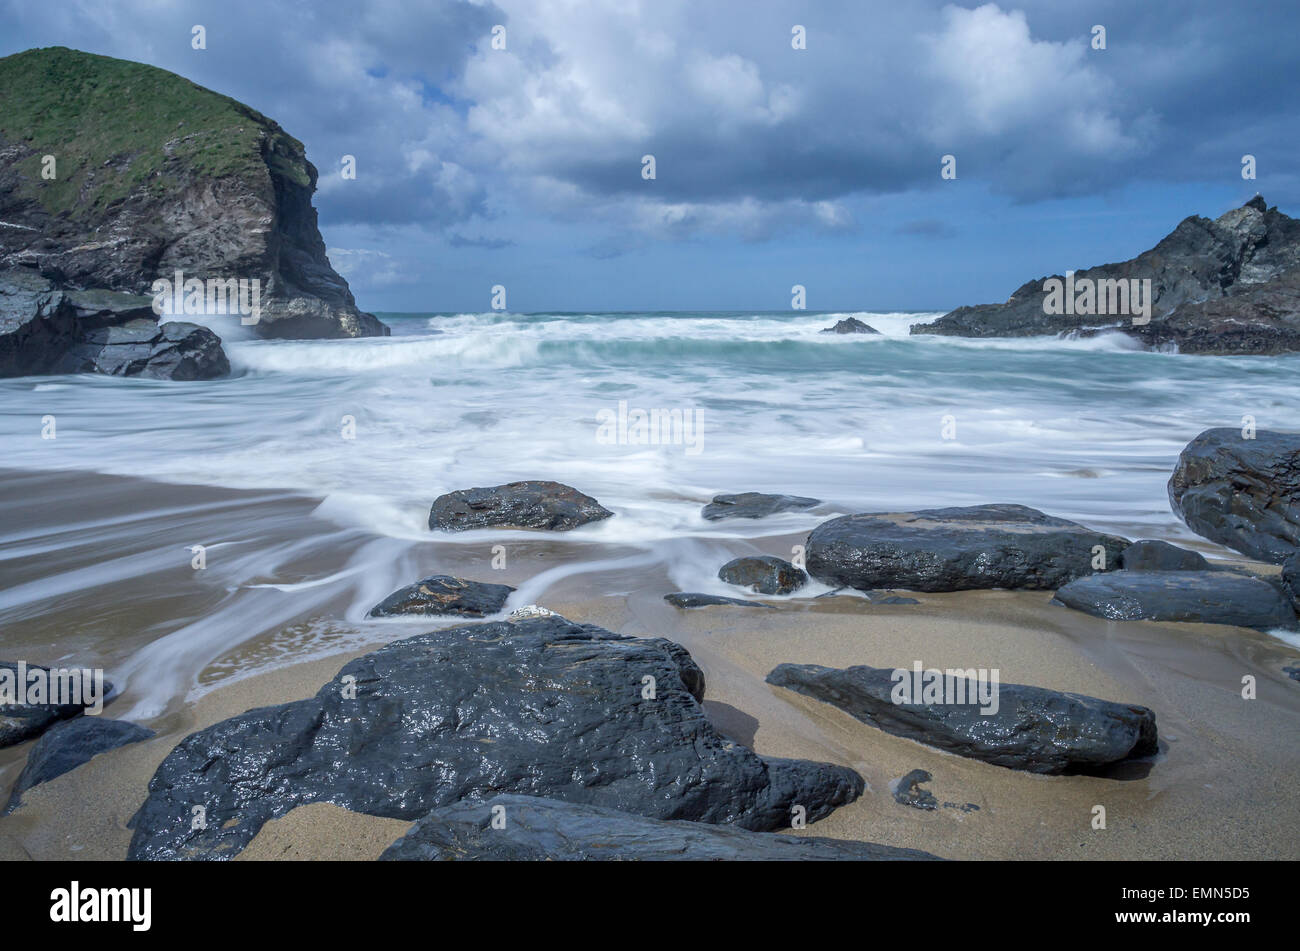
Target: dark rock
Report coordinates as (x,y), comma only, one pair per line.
(22,721)
(1243,493)
(754,505)
(763,574)
(908,791)
(143,192)
(1207,597)
(443,594)
(548,830)
(542,707)
(952,549)
(1290,579)
(1033,729)
(692,599)
(1292,672)
(1224,286)
(1161,556)
(67,745)
(893,599)
(850,325)
(544,505)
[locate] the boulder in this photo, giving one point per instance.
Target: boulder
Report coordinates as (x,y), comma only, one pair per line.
(541,707)
(763,574)
(1161,556)
(1033,729)
(1206,597)
(548,830)
(952,549)
(692,599)
(754,505)
(22,721)
(443,594)
(67,745)
(1243,493)
(540,505)
(850,325)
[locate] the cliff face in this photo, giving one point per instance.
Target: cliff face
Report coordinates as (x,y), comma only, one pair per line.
(152,175)
(1217,286)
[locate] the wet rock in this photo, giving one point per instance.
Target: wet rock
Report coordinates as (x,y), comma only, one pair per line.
(443,594)
(893,599)
(850,325)
(953,549)
(1207,597)
(692,599)
(1032,729)
(908,791)
(754,505)
(67,745)
(541,505)
(1290,579)
(1243,493)
(541,707)
(22,721)
(763,574)
(1292,672)
(548,830)
(1161,556)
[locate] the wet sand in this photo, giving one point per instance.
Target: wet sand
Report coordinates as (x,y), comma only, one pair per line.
(1225,784)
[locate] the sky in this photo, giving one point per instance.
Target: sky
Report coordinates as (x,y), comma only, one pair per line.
(774,166)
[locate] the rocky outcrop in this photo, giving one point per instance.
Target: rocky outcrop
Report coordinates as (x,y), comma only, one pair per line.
(23,721)
(443,594)
(1290,579)
(1150,555)
(850,325)
(547,830)
(69,744)
(1243,493)
(953,549)
(693,599)
(154,175)
(1033,729)
(754,505)
(550,506)
(1205,597)
(1222,286)
(541,707)
(763,574)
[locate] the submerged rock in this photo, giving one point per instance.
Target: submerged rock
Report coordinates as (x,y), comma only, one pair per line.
(754,505)
(542,505)
(69,744)
(953,549)
(548,830)
(1161,556)
(22,721)
(1243,493)
(850,325)
(443,594)
(1207,597)
(1033,729)
(763,574)
(541,707)
(692,599)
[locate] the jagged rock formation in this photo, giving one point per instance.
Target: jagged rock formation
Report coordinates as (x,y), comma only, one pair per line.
(1228,285)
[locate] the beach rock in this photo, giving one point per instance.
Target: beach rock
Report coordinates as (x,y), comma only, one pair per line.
(541,707)
(1206,597)
(443,594)
(22,721)
(754,505)
(1222,286)
(548,830)
(1033,729)
(763,574)
(850,325)
(1243,493)
(68,744)
(1161,556)
(953,549)
(543,505)
(1292,672)
(908,791)
(1290,579)
(692,599)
